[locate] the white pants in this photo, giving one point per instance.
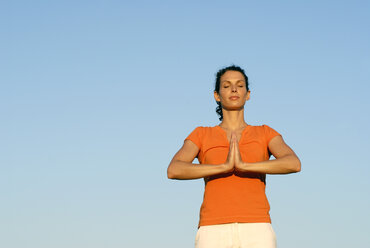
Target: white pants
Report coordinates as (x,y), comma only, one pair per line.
(236,235)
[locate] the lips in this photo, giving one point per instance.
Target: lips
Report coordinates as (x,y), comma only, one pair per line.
(234,97)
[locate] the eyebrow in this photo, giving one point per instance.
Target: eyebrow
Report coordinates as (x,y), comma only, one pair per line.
(227,81)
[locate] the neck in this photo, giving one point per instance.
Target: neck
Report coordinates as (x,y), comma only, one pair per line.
(233,120)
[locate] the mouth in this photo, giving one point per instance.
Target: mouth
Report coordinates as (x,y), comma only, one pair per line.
(234,97)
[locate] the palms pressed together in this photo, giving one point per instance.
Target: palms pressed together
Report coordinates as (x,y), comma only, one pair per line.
(234,160)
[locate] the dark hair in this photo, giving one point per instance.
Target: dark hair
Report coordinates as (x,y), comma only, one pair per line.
(218,82)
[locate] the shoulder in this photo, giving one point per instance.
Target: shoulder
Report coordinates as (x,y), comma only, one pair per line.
(268,128)
(258,128)
(265,130)
(199,130)
(204,128)
(262,127)
(205,131)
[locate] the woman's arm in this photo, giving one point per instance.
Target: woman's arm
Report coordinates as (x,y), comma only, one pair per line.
(286,160)
(181,166)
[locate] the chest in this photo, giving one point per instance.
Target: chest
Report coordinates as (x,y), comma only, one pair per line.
(251,143)
(238,135)
(215,146)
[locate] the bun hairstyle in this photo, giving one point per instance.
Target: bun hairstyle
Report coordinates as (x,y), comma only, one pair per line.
(218,82)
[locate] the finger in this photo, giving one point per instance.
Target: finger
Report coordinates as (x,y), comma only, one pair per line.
(236,150)
(233,138)
(235,144)
(232,146)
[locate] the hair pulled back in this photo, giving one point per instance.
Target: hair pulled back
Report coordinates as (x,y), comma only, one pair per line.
(218,82)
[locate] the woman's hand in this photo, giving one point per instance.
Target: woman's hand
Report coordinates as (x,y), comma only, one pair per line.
(234,160)
(229,165)
(239,164)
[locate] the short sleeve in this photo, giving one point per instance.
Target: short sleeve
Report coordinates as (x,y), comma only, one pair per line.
(270,133)
(195,136)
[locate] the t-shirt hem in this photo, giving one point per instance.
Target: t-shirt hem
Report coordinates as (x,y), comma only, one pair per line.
(239,219)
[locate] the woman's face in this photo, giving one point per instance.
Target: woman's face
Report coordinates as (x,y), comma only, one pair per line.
(233,91)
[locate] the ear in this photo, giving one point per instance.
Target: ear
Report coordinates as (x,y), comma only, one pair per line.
(248,95)
(217,96)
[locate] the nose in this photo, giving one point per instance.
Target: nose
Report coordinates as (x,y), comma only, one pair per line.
(233,88)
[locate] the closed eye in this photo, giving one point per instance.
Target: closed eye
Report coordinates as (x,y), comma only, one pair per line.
(239,86)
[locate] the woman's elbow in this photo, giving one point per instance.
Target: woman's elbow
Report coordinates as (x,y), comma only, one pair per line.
(297,165)
(171,176)
(294,164)
(171,173)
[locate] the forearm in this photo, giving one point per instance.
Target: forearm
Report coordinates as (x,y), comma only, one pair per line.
(184,170)
(283,165)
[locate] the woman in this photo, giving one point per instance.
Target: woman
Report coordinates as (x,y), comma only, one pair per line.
(233,160)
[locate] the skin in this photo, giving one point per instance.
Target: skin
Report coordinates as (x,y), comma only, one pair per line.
(232,83)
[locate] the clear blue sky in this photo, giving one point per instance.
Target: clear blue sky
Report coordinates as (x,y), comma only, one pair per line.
(97,96)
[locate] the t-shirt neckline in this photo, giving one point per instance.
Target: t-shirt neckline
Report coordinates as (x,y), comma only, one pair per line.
(225,134)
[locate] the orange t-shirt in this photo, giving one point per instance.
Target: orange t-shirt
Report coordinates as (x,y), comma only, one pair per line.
(233,197)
